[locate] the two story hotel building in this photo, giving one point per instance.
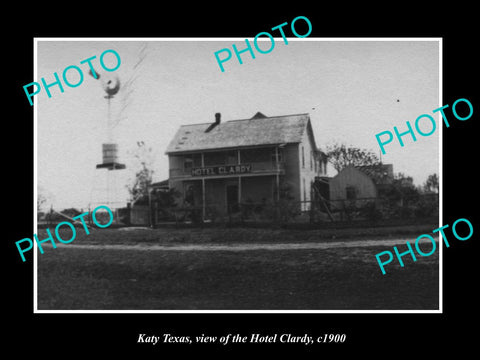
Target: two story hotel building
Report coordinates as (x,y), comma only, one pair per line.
(224,164)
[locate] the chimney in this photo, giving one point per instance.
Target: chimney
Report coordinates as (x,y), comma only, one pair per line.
(217,122)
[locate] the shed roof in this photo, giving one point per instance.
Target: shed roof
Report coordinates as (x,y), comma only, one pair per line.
(160,184)
(259,130)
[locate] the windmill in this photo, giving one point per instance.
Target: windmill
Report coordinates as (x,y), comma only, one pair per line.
(116,93)
(111,86)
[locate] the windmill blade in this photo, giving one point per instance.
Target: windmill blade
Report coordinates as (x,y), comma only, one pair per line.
(128,84)
(126,94)
(141,55)
(96,73)
(125,104)
(139,61)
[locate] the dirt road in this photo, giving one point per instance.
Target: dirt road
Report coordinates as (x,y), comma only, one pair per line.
(246,247)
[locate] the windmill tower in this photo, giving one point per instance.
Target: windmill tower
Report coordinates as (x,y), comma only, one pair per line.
(119,97)
(110,161)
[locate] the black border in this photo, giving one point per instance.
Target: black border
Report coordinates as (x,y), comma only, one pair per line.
(67,334)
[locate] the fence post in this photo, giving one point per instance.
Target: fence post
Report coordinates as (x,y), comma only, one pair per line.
(312,212)
(89,215)
(129,214)
(176,218)
(241,209)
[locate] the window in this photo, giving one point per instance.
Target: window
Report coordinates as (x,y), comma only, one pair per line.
(303,158)
(311,160)
(187,162)
(192,160)
(351,193)
(232,157)
(274,156)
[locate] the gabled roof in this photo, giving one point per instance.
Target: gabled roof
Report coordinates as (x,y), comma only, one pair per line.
(259,130)
(259,115)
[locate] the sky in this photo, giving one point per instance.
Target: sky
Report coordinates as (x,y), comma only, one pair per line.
(351,89)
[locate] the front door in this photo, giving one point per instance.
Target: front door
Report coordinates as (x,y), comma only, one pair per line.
(232,198)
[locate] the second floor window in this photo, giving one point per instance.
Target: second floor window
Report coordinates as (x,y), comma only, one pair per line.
(274,156)
(192,160)
(303,157)
(188,162)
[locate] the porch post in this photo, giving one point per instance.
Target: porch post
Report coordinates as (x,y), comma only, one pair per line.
(239,161)
(203,199)
(277,175)
(239,190)
(203,189)
(149,191)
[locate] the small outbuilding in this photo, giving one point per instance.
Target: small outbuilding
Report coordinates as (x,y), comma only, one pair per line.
(361,183)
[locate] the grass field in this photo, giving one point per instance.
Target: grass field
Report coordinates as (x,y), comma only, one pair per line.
(220,235)
(331,279)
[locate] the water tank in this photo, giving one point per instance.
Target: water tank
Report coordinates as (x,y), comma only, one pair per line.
(110,153)
(110,157)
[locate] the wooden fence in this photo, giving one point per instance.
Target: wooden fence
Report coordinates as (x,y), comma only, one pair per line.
(366,210)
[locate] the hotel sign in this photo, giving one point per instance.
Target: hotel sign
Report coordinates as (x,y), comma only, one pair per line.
(222,170)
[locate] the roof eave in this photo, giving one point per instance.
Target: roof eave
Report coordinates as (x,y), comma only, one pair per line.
(185,151)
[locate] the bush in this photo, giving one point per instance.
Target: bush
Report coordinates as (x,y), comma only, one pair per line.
(287,210)
(427,206)
(371,212)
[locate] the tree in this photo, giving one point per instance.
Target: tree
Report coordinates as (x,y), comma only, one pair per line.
(341,156)
(41,200)
(143,177)
(44,197)
(431,184)
(402,187)
(164,201)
